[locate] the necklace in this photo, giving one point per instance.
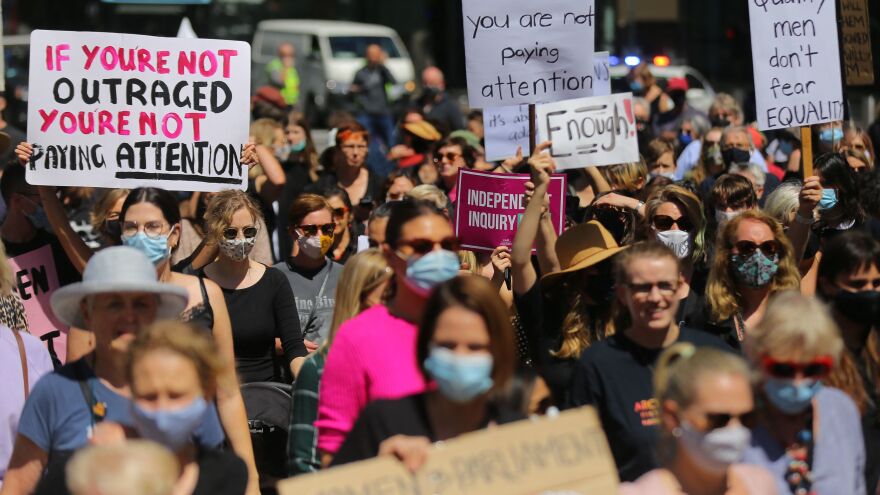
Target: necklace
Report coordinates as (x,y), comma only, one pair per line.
(799,475)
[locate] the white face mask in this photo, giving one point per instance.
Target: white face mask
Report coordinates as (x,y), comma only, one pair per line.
(310,246)
(237,249)
(722,217)
(717,449)
(678,241)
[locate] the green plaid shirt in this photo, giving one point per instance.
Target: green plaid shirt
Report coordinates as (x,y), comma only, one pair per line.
(302,450)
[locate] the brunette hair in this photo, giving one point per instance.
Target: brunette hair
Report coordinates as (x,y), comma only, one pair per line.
(305,204)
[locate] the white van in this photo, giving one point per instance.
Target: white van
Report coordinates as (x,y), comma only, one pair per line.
(328,54)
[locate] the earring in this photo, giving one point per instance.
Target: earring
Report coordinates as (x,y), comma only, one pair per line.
(676,432)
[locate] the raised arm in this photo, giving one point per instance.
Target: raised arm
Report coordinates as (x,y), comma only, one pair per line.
(524,275)
(599,181)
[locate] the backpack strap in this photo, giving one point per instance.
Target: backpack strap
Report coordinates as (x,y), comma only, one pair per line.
(24,368)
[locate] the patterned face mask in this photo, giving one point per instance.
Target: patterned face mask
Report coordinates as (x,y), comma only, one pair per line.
(237,249)
(755,271)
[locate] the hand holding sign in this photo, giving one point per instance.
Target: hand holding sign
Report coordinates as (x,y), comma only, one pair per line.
(542,165)
(411,451)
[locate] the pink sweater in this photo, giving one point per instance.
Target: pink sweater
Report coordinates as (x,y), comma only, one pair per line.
(373,357)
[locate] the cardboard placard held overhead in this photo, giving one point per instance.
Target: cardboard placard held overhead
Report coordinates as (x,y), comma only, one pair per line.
(590,132)
(506,129)
(520,52)
(120,110)
(855,27)
(567,454)
(796,63)
(490,207)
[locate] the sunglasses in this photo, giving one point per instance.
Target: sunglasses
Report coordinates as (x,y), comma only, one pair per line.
(231,233)
(312,230)
(817,368)
(450,157)
(667,289)
(665,222)
(425,246)
(340,212)
(720,420)
(768,248)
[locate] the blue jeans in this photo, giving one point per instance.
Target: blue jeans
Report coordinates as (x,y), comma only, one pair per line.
(381,129)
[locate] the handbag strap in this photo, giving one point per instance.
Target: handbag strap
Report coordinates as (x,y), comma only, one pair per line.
(24,367)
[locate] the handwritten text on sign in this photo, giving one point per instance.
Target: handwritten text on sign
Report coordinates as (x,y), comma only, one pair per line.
(490,206)
(120,110)
(36,280)
(519,51)
(590,132)
(855,26)
(796,62)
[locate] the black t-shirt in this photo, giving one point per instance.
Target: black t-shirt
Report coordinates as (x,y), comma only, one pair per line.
(383,419)
(220,473)
(297,179)
(616,376)
(67,273)
(259,314)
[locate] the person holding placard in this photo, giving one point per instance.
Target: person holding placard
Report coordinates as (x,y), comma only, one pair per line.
(616,375)
(465,345)
(299,158)
(706,409)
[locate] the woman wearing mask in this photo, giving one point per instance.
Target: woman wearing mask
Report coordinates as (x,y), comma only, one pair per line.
(840,208)
(299,159)
(374,354)
(753,261)
(674,217)
(828,137)
(710,165)
(706,410)
(466,346)
(849,280)
(569,309)
(660,157)
(808,436)
(266,180)
(364,281)
(346,230)
(261,304)
(312,276)
(105,215)
(174,370)
(616,373)
(643,84)
(151,224)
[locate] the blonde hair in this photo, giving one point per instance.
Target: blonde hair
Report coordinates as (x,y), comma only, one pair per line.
(185,340)
(362,273)
(431,194)
(469,257)
(135,467)
(680,368)
(263,131)
(721,292)
(783,201)
(795,324)
(222,206)
(630,177)
(101,209)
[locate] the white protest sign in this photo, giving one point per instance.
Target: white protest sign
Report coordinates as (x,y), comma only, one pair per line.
(519,51)
(506,129)
(589,132)
(796,63)
(602,70)
(119,110)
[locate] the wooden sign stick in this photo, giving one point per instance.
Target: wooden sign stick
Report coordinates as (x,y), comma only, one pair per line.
(807,151)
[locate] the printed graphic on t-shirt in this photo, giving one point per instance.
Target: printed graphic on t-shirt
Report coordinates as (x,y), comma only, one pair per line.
(648,411)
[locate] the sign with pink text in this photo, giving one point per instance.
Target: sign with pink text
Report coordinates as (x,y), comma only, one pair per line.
(121,110)
(36,279)
(490,207)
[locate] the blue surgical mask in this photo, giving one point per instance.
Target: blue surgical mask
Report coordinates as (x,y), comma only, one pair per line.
(297,147)
(789,397)
(668,175)
(155,249)
(39,220)
(172,428)
(424,273)
(831,135)
(636,86)
(829,199)
(754,271)
(460,378)
(685,139)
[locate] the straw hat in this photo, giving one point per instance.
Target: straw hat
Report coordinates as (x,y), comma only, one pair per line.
(424,130)
(582,247)
(117,269)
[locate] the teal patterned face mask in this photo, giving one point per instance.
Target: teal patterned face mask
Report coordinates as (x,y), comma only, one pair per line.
(755,271)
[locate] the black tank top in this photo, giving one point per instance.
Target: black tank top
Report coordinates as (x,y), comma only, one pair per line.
(200,315)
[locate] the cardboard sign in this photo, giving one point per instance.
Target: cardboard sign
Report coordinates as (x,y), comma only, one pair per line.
(506,129)
(567,454)
(602,70)
(590,132)
(490,207)
(36,279)
(119,110)
(855,23)
(518,51)
(796,61)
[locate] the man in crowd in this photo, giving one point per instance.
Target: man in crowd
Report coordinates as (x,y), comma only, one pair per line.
(283,74)
(369,87)
(436,104)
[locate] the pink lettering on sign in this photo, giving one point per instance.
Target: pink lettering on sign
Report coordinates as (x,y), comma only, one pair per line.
(489,206)
(36,280)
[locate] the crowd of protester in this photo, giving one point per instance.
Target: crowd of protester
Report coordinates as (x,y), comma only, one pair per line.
(716,308)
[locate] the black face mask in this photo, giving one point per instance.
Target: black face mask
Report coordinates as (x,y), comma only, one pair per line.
(735,155)
(719,122)
(860,307)
(112,229)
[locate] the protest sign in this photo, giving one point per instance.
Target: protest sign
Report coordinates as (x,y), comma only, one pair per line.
(506,129)
(855,27)
(567,453)
(590,132)
(119,110)
(490,207)
(796,63)
(36,280)
(602,70)
(519,52)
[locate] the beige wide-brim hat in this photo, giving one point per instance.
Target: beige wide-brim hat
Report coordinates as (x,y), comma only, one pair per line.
(581,247)
(117,269)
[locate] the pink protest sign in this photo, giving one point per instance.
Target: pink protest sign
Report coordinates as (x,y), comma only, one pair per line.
(490,207)
(37,279)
